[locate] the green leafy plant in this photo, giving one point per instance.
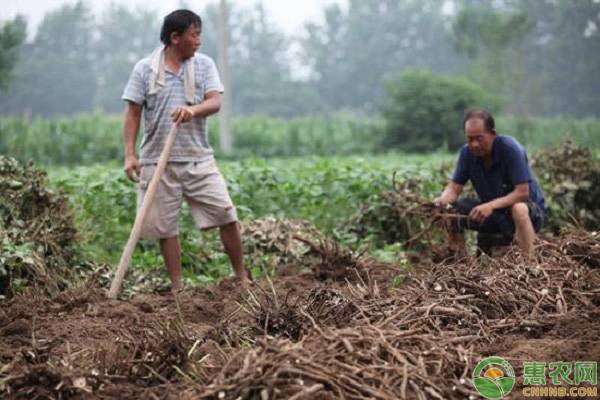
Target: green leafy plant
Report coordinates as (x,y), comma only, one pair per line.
(423,111)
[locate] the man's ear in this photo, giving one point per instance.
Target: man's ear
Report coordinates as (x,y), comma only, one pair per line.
(174,37)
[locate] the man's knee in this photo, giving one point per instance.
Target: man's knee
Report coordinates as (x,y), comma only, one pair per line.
(520,212)
(168,239)
(233,226)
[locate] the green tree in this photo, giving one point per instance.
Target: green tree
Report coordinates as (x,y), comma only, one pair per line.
(55,73)
(353,51)
(260,63)
(118,47)
(544,55)
(12,35)
(493,40)
(423,111)
(563,52)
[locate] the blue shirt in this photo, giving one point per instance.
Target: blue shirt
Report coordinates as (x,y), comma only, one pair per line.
(510,167)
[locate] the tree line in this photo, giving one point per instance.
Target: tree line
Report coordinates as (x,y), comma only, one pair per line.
(541,56)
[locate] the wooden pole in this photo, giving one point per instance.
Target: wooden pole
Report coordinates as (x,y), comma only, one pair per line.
(225,133)
(134,236)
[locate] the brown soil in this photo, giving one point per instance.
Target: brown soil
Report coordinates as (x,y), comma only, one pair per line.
(302,336)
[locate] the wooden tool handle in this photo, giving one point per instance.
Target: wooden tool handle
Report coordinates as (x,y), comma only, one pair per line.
(134,236)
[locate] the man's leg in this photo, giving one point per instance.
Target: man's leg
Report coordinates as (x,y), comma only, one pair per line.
(524,232)
(232,240)
(171,252)
(210,203)
(162,217)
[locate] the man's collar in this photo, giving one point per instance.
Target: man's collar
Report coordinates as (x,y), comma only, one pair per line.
(495,151)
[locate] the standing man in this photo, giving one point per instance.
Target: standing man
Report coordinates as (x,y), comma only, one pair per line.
(510,200)
(174,85)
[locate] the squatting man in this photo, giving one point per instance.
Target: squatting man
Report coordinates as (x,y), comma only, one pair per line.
(510,201)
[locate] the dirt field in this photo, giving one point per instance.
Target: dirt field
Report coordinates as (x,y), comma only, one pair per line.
(350,335)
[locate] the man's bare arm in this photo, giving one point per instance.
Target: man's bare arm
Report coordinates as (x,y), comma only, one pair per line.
(209,106)
(133,116)
(450,194)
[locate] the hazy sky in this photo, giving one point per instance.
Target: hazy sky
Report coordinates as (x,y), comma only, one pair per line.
(288,14)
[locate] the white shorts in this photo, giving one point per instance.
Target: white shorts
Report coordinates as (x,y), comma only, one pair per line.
(200,184)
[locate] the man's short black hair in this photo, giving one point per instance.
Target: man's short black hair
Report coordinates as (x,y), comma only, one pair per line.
(485,116)
(178,21)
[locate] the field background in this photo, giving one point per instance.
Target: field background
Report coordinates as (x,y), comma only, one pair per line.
(320,170)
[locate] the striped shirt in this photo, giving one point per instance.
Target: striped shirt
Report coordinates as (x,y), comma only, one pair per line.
(191,143)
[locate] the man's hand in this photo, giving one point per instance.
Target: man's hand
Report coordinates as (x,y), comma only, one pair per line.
(449,195)
(132,168)
(182,114)
(481,212)
(439,201)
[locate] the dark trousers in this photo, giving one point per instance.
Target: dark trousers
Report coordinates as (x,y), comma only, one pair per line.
(499,223)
